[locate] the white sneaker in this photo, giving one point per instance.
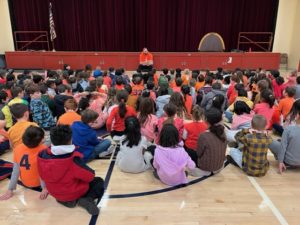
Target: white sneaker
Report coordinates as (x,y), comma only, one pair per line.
(110,150)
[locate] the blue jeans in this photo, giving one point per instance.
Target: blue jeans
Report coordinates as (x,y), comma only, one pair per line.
(228,115)
(101,147)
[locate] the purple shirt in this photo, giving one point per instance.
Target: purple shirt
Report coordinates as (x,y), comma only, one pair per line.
(170,164)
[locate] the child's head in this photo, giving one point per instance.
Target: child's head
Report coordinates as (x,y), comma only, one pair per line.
(290,91)
(19,111)
(51,83)
(33,136)
(267,96)
(262,85)
(280,80)
(122,97)
(163,91)
(298,80)
(214,119)
(17,92)
(185,89)
(201,78)
(227,80)
(242,92)
(208,80)
(193,82)
(128,88)
(295,111)
(150,85)
(217,86)
(178,82)
(197,113)
(169,136)
(34,91)
(132,131)
(70,104)
(146,108)
(218,101)
(119,80)
(170,109)
(258,122)
(62,89)
(61,135)
(89,116)
(178,100)
(3,97)
(240,107)
(275,73)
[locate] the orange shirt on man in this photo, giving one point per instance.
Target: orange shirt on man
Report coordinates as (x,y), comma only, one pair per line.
(146,57)
(69,118)
(26,158)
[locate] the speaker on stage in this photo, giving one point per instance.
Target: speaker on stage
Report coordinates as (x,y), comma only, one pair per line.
(211,42)
(2,62)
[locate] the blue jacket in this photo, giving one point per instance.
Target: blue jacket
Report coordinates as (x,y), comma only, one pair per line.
(85,138)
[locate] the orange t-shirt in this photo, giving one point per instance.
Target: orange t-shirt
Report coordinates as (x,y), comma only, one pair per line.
(137,89)
(16,132)
(199,85)
(26,158)
(285,105)
(188,104)
(69,118)
(146,57)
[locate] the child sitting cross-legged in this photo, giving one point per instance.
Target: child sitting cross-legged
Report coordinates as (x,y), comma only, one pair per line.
(170,159)
(132,157)
(252,159)
(68,179)
(25,162)
(85,137)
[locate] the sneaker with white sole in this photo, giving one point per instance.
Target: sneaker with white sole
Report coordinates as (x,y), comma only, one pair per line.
(110,150)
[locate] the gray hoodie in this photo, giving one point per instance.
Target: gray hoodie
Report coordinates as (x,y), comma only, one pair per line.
(161,101)
(207,99)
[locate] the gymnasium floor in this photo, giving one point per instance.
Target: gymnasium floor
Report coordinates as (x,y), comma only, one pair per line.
(229,197)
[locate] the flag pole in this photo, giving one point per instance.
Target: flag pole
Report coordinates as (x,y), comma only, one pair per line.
(52,27)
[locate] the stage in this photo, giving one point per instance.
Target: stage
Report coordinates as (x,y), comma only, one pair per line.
(129,60)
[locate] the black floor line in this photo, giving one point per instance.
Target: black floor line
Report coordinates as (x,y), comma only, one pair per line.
(93,219)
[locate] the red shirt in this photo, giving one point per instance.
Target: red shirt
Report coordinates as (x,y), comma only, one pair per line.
(115,122)
(107,81)
(193,130)
(188,103)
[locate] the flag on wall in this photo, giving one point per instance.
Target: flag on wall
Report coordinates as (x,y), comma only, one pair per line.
(51,23)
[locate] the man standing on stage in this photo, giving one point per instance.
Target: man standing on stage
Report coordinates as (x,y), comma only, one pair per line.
(146,60)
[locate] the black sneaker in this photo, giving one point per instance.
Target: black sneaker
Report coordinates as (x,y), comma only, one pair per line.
(231,161)
(89,205)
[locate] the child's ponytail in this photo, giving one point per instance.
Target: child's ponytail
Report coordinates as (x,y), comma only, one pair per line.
(122,97)
(214,118)
(268,97)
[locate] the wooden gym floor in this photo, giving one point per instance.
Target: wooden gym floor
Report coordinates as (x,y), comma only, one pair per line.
(229,197)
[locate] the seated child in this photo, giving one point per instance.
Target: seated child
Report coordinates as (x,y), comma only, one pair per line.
(170,158)
(70,116)
(85,137)
(192,131)
(115,122)
(147,119)
(21,113)
(68,179)
(132,157)
(211,145)
(282,110)
(170,118)
(287,151)
(252,159)
(25,162)
(4,142)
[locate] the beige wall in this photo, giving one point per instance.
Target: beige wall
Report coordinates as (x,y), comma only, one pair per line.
(6,38)
(287,31)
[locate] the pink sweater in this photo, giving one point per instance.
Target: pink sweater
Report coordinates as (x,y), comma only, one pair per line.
(149,127)
(264,110)
(170,164)
(238,120)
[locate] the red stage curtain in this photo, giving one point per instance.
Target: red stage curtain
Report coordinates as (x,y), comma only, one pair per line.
(129,25)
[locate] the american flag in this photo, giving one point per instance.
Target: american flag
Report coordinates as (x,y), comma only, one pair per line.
(51,23)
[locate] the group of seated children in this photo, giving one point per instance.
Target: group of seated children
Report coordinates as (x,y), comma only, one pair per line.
(172,124)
